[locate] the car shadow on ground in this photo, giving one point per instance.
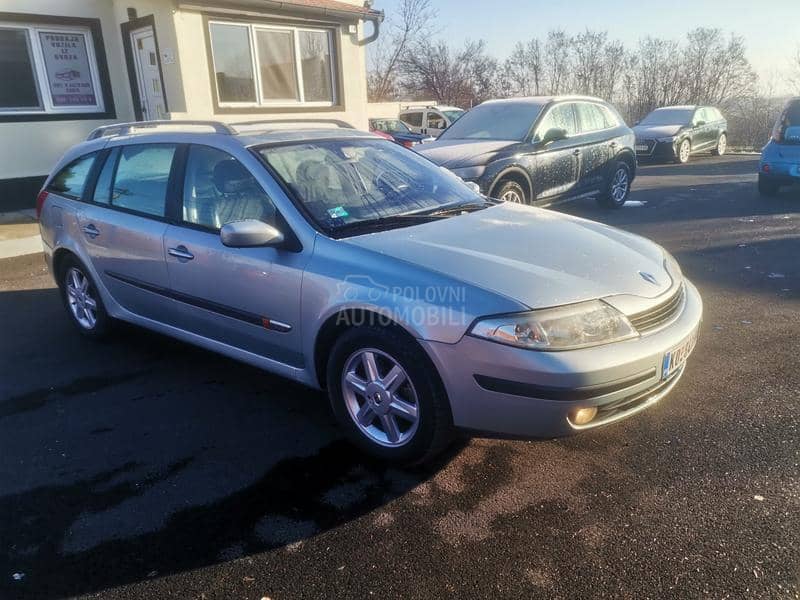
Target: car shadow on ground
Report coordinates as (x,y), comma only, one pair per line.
(157,458)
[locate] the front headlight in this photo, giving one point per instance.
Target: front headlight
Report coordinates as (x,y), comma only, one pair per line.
(470,172)
(564,328)
(671,139)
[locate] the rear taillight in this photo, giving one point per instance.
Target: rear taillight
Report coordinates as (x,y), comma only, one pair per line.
(408,144)
(40,199)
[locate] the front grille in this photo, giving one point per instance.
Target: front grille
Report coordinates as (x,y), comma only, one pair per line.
(659,315)
(645,142)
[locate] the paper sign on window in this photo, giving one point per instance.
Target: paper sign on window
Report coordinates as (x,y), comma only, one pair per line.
(67,62)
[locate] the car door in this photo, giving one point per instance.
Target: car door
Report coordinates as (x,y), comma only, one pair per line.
(704,130)
(123,225)
(414,119)
(248,298)
(557,164)
(435,123)
(597,145)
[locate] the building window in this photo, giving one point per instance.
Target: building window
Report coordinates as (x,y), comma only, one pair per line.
(53,68)
(270,65)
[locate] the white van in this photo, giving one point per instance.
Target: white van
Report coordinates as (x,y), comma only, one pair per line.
(430,120)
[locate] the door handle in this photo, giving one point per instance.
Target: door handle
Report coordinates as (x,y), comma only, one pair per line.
(181,253)
(613,144)
(576,152)
(91,230)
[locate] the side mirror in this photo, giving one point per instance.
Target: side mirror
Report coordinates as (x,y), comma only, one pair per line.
(699,123)
(553,135)
(249,234)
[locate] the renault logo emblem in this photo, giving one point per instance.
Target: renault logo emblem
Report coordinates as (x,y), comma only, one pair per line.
(648,278)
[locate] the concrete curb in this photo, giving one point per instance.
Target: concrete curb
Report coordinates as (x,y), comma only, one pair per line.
(20,247)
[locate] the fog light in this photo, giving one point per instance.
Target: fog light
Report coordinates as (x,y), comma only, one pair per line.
(583,416)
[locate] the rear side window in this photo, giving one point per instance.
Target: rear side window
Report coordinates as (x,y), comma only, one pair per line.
(72,179)
(413,118)
(792,118)
(142,178)
(591,117)
(218,189)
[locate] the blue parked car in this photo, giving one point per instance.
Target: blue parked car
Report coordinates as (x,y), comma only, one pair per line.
(397,131)
(780,158)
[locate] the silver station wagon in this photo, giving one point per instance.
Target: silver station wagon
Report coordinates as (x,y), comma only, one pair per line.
(347,263)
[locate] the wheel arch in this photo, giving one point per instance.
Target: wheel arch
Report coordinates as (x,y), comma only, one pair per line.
(342,320)
(517,174)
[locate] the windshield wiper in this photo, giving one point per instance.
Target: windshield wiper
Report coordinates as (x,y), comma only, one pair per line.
(459,207)
(400,220)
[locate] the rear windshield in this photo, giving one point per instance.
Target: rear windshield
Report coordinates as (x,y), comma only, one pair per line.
(357,181)
(496,121)
(793,115)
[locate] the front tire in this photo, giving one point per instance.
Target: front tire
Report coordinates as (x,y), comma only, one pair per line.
(722,146)
(767,187)
(511,191)
(684,152)
(387,395)
(82,300)
(618,188)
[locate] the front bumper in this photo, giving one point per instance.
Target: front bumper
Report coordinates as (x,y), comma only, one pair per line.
(510,391)
(656,150)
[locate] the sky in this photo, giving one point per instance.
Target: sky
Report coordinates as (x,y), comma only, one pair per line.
(771,29)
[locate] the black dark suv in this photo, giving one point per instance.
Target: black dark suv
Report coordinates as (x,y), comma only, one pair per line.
(676,132)
(541,150)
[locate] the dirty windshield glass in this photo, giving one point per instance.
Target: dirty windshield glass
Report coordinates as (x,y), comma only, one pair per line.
(343,183)
(495,121)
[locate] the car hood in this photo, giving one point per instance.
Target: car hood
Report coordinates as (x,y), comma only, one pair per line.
(656,131)
(455,154)
(537,257)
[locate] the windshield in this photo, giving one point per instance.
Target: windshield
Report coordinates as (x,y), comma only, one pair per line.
(495,121)
(343,183)
(390,126)
(453,115)
(669,116)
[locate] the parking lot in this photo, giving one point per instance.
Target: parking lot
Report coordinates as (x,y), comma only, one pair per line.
(143,467)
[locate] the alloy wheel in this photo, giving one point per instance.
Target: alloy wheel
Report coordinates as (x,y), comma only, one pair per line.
(82,304)
(380,398)
(722,145)
(512,196)
(684,151)
(619,185)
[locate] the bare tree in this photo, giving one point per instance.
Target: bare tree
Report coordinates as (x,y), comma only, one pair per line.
(465,77)
(523,70)
(717,71)
(413,21)
(588,49)
(557,61)
(796,70)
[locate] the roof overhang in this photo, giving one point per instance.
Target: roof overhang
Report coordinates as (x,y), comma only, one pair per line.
(330,9)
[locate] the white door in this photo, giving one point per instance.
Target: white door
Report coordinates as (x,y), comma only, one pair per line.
(148,74)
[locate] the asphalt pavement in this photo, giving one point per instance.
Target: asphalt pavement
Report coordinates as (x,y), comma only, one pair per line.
(145,468)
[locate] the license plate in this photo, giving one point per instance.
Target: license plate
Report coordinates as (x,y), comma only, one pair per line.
(676,358)
(641,148)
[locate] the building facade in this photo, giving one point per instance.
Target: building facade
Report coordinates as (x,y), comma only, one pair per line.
(68,66)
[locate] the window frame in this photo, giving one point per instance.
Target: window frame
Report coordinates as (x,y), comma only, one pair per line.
(91,176)
(90,29)
(264,105)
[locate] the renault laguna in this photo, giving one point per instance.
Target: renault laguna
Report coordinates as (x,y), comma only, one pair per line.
(345,262)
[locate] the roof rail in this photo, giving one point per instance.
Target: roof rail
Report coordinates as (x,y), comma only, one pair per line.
(124,128)
(339,123)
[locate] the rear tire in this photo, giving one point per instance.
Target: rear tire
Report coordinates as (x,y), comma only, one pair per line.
(767,187)
(366,404)
(722,146)
(82,300)
(510,191)
(618,188)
